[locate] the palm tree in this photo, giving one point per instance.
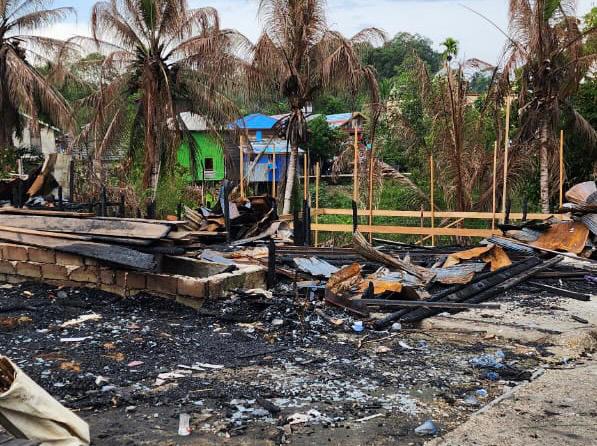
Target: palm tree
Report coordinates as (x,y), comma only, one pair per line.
(161,58)
(546,42)
(301,56)
(23,90)
(451,48)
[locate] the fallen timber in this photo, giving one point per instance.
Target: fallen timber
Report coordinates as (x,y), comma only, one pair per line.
(561,291)
(488,288)
(114,254)
(108,228)
(427,304)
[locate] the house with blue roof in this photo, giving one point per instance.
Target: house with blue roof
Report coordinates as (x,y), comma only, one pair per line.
(259,127)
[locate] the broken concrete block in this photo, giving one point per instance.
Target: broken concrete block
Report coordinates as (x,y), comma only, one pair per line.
(8,267)
(191,286)
(163,284)
(54,272)
(87,274)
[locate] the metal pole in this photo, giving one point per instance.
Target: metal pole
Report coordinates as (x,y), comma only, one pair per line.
(561,168)
(495,147)
(355,187)
(506,148)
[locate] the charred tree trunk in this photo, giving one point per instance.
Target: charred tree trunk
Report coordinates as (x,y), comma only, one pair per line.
(544,167)
(290,178)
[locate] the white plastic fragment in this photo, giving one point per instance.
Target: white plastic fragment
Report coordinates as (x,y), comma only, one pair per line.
(184,425)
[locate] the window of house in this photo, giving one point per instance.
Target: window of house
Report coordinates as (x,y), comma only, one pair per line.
(209,164)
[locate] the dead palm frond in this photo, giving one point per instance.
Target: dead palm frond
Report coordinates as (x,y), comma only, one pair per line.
(23,90)
(161,58)
(300,56)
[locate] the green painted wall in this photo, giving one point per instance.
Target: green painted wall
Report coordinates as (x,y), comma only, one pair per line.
(210,152)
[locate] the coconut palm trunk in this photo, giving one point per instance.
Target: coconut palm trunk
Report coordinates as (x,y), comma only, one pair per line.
(290,178)
(544,167)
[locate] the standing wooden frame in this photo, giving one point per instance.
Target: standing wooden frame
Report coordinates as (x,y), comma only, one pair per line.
(370,195)
(305,178)
(561,168)
(493,208)
(317,177)
(506,149)
(432,198)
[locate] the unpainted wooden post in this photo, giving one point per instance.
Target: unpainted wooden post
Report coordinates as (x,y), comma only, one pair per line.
(317,178)
(561,168)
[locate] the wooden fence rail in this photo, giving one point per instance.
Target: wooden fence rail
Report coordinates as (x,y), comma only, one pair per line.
(430,230)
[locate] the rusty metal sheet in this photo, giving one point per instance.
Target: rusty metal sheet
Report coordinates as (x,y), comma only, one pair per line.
(497,258)
(381,286)
(492,254)
(458,274)
(570,236)
(582,193)
(344,279)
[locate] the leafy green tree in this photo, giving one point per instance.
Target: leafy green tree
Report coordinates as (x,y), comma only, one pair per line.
(388,58)
(324,142)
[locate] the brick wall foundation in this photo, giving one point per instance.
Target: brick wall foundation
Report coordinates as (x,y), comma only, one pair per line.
(19,263)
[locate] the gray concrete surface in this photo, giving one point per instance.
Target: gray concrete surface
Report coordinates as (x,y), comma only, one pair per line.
(559,408)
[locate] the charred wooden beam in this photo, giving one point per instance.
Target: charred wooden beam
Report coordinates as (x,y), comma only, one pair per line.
(562,292)
(387,303)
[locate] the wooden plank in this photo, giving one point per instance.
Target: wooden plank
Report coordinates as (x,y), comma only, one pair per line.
(144,220)
(115,254)
(407,230)
(438,214)
(18,211)
(90,238)
(106,228)
(418,304)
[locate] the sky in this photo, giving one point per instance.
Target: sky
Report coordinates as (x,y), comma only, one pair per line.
(435,19)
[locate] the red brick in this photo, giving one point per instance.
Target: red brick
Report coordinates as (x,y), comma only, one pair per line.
(107,276)
(14,252)
(42,255)
(190,286)
(54,272)
(8,267)
(162,284)
(66,259)
(28,269)
(87,274)
(136,281)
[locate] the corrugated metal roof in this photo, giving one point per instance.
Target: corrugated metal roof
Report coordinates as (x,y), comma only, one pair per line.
(195,123)
(256,121)
(279,147)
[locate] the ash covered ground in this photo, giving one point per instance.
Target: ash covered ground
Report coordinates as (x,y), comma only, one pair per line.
(249,370)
